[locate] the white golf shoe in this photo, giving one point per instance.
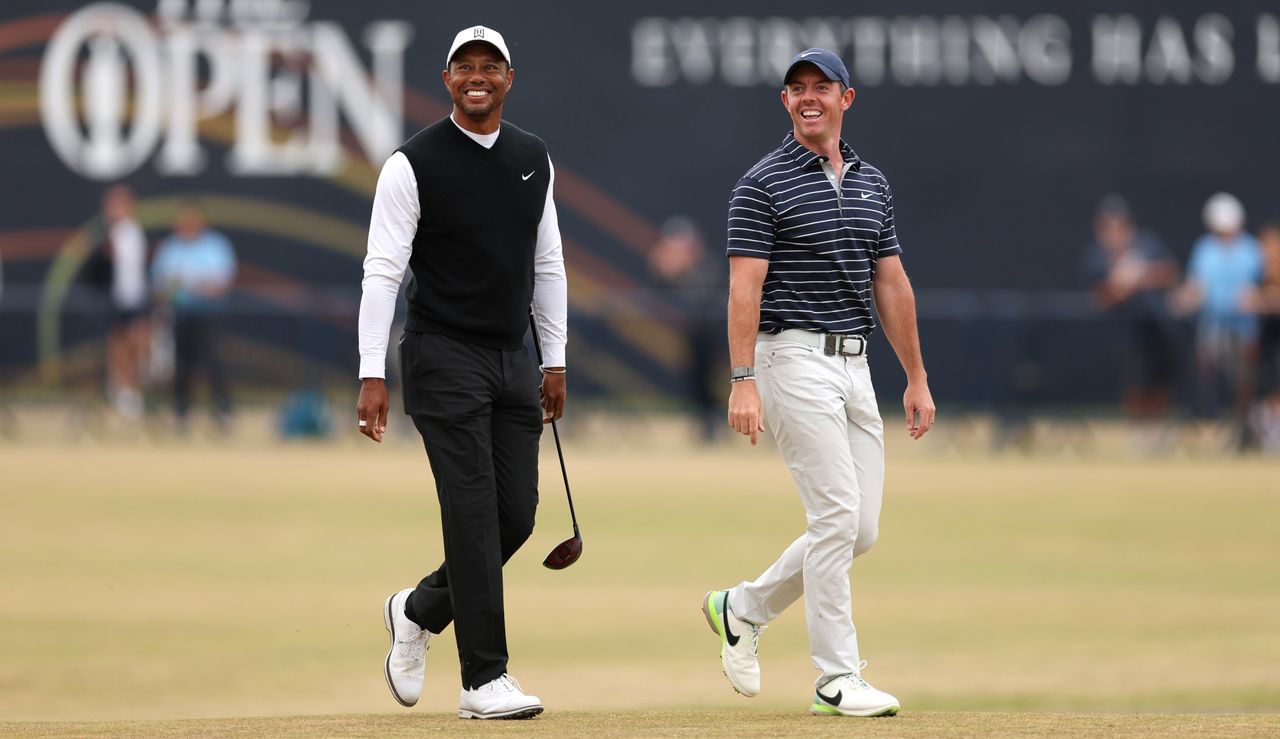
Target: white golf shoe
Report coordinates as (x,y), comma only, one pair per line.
(500,698)
(406,663)
(850,695)
(739,643)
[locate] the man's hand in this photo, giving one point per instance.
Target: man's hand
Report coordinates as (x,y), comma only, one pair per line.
(745,415)
(371,408)
(552,393)
(918,402)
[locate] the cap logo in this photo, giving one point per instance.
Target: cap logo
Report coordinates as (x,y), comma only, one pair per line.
(810,53)
(478,33)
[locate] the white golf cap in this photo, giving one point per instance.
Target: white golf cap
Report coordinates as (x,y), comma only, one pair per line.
(480,34)
(1223,213)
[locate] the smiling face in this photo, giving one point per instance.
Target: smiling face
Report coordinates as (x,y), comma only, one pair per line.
(816,105)
(478,79)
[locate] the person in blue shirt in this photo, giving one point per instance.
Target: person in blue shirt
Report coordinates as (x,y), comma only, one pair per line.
(1225,266)
(192,274)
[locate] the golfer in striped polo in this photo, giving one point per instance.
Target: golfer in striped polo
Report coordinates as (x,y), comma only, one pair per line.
(811,243)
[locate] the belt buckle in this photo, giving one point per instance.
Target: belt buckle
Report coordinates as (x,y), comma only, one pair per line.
(835,344)
(843,349)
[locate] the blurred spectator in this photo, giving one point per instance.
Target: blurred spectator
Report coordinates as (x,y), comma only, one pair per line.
(696,288)
(1131,273)
(193,271)
(1225,265)
(1265,301)
(128,338)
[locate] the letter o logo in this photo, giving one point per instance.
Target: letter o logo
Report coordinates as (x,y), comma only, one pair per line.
(94,141)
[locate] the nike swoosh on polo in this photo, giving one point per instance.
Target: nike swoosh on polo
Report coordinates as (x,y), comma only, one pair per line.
(527,176)
(724,619)
(866,195)
(835,700)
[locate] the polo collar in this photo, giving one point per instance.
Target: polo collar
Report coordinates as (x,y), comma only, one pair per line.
(805,157)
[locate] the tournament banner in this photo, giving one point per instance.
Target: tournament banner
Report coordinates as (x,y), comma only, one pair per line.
(1000,126)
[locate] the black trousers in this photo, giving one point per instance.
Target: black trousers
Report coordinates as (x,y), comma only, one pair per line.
(478,413)
(195,349)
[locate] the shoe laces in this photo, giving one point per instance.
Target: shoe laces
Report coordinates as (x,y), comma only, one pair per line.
(415,649)
(756,631)
(856,677)
(504,684)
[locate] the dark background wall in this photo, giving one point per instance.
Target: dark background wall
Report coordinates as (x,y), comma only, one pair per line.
(654,109)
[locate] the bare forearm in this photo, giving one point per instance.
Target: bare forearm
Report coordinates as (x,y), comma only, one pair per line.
(896,303)
(744,324)
(1105,296)
(1271,299)
(746,283)
(1160,276)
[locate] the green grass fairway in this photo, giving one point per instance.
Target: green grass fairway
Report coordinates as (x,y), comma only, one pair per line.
(164,581)
(686,723)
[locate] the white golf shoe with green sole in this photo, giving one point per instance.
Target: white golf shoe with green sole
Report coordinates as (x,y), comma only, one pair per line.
(739,643)
(850,695)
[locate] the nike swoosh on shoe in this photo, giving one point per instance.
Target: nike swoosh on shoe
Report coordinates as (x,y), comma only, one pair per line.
(724,619)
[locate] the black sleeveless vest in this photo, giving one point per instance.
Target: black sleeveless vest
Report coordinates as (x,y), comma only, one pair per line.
(472,261)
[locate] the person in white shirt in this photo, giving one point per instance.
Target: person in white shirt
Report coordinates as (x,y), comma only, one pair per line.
(466,206)
(129,337)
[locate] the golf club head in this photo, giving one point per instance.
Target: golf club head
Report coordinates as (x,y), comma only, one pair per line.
(565,554)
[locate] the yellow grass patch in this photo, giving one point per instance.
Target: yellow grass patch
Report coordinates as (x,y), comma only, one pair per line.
(189,580)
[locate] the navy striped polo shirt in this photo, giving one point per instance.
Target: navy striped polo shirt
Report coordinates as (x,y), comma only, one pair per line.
(822,243)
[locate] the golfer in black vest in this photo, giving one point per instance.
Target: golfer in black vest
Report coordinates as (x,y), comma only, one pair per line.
(466,205)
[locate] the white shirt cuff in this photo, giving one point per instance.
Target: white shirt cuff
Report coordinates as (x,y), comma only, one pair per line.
(373,365)
(553,355)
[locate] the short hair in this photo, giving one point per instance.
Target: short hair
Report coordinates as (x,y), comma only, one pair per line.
(1113,206)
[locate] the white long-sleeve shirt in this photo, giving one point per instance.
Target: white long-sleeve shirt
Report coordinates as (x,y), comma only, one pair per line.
(128,264)
(396,209)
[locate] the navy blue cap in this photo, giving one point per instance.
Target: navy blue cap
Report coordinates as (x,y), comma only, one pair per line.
(825,60)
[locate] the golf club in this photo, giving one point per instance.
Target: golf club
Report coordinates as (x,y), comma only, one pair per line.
(567,551)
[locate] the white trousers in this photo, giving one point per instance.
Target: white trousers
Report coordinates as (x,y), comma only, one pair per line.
(822,412)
